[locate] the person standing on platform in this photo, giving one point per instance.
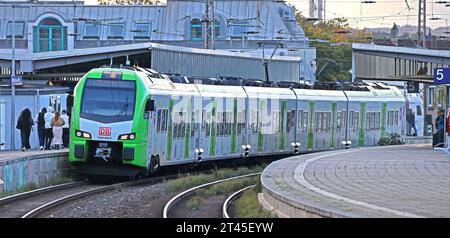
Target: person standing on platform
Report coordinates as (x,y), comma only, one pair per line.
(440,126)
(447,129)
(66,129)
(39,119)
(25,124)
(412,123)
(57,123)
(48,128)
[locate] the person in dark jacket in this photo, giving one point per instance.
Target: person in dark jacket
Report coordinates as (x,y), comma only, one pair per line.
(24,124)
(39,119)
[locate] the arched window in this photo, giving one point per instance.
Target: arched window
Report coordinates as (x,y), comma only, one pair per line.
(49,35)
(196,29)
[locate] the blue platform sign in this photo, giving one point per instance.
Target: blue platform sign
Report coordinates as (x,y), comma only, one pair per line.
(16,80)
(442,76)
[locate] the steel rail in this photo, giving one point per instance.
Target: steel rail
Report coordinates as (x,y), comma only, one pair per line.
(187,192)
(231,198)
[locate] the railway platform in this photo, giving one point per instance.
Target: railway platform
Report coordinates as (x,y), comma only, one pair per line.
(19,169)
(391,181)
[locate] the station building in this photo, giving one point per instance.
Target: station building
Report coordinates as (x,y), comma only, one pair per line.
(46,30)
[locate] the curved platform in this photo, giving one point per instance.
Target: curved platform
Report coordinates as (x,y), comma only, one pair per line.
(393,181)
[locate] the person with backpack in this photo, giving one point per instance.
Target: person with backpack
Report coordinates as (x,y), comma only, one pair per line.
(39,119)
(25,124)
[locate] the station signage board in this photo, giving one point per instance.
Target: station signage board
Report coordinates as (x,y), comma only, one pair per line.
(442,76)
(16,80)
(413,87)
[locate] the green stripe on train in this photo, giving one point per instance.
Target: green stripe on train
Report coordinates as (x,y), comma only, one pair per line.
(262,104)
(282,136)
(169,131)
(383,119)
(233,129)
(212,141)
(333,125)
(362,124)
(187,131)
(310,140)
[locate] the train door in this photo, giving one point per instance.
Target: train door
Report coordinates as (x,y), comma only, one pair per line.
(253,122)
(208,125)
(303,116)
(158,127)
(196,124)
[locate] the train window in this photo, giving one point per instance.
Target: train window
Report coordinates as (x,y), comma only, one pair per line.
(275,122)
(219,124)
(396,117)
(158,121)
(226,123)
(350,122)
(367,121)
(356,121)
(207,124)
(300,119)
(305,121)
(164,116)
(175,125)
(321,121)
(339,121)
(324,122)
(197,120)
(374,120)
(289,120)
(389,118)
(193,124)
(418,110)
(203,120)
(182,129)
(329,121)
(239,123)
(254,121)
(378,117)
(316,122)
(230,122)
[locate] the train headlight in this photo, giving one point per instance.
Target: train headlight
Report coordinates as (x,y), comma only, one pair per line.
(83,134)
(130,136)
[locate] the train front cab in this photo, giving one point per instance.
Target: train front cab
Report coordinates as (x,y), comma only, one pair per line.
(110,124)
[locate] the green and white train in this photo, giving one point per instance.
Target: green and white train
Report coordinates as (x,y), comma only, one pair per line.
(127,122)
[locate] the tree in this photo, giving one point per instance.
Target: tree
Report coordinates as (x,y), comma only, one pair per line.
(129,2)
(334,61)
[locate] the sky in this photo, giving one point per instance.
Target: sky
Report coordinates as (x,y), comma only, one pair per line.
(383,13)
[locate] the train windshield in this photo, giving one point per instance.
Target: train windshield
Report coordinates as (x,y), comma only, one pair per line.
(108,101)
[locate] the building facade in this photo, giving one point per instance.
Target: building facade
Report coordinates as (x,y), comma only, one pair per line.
(49,28)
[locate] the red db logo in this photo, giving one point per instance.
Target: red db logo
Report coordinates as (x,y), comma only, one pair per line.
(104,131)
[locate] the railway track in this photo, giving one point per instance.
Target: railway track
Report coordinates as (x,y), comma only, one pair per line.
(231,198)
(32,204)
(177,199)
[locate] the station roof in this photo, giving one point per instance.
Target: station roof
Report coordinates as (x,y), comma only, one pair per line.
(408,53)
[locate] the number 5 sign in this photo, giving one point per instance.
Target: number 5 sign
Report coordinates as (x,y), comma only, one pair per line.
(442,76)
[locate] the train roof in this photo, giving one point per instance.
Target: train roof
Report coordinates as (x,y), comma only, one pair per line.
(373,91)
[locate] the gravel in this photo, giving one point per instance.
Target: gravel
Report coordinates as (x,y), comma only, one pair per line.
(130,202)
